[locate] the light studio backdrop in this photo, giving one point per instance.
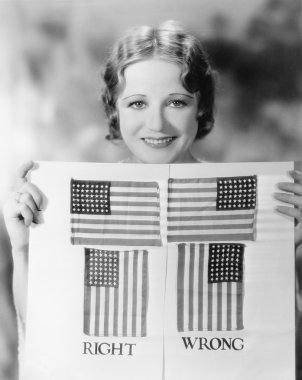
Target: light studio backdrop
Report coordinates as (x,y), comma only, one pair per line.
(51,57)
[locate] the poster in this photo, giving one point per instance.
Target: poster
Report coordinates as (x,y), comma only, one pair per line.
(126,303)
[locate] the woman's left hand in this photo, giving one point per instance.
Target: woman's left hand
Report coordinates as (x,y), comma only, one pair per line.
(292,196)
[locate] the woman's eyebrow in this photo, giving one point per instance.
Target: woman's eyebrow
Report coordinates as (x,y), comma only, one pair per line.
(182,94)
(133,95)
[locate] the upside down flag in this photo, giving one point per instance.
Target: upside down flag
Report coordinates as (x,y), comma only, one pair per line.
(210,287)
(212,209)
(115,213)
(116,293)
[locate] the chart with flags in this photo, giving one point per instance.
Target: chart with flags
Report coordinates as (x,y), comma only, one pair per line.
(210,287)
(212,209)
(161,272)
(116,293)
(123,213)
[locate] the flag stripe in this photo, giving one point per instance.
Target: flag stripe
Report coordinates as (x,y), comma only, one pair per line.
(219,307)
(87,301)
(197,227)
(209,210)
(106,321)
(125,295)
(144,294)
(240,305)
(206,216)
(133,205)
(212,237)
(195,199)
(192,190)
(97,311)
(133,194)
(195,284)
(133,185)
(180,287)
(200,287)
(134,299)
(114,241)
(111,231)
(191,181)
(191,282)
(121,304)
(117,221)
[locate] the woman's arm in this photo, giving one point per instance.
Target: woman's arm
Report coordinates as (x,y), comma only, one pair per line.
(20,211)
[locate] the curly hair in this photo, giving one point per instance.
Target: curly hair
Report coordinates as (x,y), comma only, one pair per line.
(172,43)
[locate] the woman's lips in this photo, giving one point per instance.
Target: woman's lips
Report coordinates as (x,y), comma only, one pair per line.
(158,142)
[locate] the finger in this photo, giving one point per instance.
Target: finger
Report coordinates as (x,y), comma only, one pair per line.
(25,213)
(289,198)
(27,199)
(35,193)
(291,187)
(290,211)
(22,173)
(24,169)
(296,175)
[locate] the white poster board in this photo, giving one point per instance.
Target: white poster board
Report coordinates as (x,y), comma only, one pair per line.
(56,345)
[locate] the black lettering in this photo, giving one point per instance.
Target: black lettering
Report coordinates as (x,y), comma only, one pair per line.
(87,347)
(120,348)
(226,342)
(203,342)
(101,352)
(188,343)
(130,347)
(212,343)
(240,347)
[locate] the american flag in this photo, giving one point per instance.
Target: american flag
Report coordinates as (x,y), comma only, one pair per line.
(212,209)
(210,287)
(115,213)
(116,293)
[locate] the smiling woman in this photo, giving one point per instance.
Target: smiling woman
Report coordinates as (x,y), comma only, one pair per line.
(159,93)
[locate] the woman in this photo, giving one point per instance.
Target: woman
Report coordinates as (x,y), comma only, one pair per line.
(159,98)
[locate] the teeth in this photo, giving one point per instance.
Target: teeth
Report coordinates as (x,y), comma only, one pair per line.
(158,141)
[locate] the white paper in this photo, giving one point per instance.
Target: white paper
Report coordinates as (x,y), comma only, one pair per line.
(55,341)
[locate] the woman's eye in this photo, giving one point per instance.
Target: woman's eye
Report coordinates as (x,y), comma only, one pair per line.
(138,104)
(177,103)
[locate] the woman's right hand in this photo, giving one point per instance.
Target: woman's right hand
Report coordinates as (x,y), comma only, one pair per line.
(22,208)
(20,211)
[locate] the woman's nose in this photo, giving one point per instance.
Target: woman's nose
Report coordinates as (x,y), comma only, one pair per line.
(156,119)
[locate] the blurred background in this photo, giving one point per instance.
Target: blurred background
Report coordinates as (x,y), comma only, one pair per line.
(51,59)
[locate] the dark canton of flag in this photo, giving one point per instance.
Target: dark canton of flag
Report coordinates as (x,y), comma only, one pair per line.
(116,293)
(115,213)
(210,287)
(212,209)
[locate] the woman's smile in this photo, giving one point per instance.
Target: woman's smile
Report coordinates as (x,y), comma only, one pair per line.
(158,143)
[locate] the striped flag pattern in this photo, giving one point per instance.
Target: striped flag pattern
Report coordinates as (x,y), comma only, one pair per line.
(210,287)
(116,293)
(122,213)
(212,209)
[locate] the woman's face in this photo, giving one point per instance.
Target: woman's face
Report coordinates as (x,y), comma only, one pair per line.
(157,114)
